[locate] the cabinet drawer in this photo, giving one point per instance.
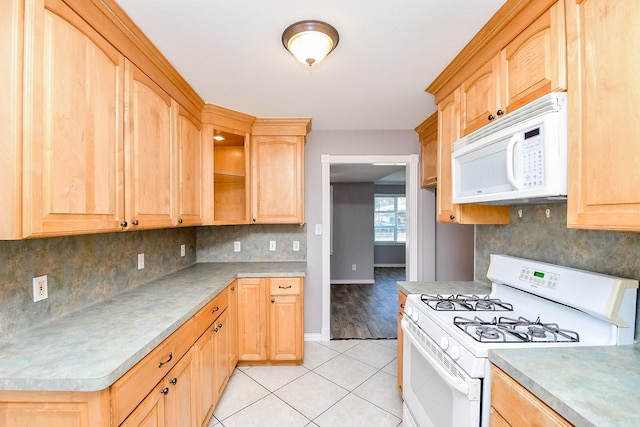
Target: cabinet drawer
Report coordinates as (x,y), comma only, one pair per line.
(133,387)
(519,407)
(211,311)
(285,286)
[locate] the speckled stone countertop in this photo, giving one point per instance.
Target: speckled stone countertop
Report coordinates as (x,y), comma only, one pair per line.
(589,386)
(90,349)
(445,287)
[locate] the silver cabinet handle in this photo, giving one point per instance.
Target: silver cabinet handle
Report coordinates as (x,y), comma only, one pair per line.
(166,361)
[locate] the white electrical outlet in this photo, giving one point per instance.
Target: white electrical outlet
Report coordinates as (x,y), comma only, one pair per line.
(236,247)
(40,290)
(140,261)
(183,250)
(272,245)
(353,267)
(296,246)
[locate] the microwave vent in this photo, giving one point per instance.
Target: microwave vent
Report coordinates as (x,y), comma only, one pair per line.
(552,102)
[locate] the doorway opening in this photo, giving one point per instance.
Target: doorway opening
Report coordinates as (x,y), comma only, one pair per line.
(366,308)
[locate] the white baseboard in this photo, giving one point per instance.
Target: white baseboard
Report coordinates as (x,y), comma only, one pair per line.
(313,336)
(353,282)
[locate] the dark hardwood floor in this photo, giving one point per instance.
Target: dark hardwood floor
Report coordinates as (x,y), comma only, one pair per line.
(367,311)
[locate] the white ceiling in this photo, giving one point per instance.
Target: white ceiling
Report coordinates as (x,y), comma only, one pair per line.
(231,52)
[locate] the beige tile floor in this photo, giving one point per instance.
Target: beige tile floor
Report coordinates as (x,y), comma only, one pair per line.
(347,383)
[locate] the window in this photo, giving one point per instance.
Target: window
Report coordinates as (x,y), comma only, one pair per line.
(390,218)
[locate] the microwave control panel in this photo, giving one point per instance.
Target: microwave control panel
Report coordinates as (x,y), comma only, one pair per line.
(532,159)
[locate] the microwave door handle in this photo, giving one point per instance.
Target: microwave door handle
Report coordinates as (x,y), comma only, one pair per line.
(510,163)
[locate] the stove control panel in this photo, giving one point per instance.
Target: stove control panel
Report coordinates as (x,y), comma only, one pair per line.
(539,277)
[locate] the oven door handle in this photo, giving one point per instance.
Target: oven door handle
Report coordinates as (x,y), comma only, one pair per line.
(456,382)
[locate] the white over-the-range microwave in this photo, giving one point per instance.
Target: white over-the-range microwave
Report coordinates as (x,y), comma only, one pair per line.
(520,158)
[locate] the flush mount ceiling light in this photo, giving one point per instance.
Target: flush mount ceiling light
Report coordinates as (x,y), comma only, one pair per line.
(310,41)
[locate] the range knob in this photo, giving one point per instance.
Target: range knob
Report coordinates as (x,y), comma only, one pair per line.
(444,343)
(408,311)
(415,316)
(455,352)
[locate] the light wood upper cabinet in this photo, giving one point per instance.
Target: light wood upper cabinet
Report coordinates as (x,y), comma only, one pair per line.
(227,168)
(189,171)
(479,97)
(73,136)
(428,134)
(277,170)
(604,76)
(151,152)
(534,63)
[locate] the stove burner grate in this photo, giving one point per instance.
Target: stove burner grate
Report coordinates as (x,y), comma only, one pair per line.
(458,302)
(505,329)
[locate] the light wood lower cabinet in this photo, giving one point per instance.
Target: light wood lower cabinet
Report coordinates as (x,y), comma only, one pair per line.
(274,334)
(513,405)
(402,298)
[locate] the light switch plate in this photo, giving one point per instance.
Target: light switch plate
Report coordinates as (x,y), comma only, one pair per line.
(236,247)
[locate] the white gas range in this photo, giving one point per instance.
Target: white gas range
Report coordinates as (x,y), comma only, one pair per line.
(446,371)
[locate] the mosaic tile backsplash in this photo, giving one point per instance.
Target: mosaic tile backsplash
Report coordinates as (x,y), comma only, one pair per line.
(83,270)
(535,236)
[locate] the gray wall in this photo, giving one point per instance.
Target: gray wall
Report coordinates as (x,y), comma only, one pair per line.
(549,240)
(353,233)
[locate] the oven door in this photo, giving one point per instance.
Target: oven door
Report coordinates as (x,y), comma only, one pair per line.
(436,392)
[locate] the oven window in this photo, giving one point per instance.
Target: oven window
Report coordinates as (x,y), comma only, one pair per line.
(431,400)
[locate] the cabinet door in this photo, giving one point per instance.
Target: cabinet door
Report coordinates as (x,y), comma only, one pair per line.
(534,63)
(448,133)
(233,327)
(221,354)
(150,412)
(73,117)
(428,133)
(189,183)
(402,298)
(180,383)
(205,397)
(286,327)
(150,152)
(231,178)
(252,319)
(604,74)
(479,97)
(277,190)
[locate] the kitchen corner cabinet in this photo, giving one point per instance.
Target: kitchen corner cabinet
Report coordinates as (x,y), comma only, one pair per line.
(604,74)
(428,135)
(73,126)
(277,169)
(226,182)
(402,298)
(513,405)
(447,211)
(274,334)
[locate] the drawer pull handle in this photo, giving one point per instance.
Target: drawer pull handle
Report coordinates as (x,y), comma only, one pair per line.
(165,390)
(174,381)
(284,287)
(215,309)
(220,325)
(167,361)
(215,329)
